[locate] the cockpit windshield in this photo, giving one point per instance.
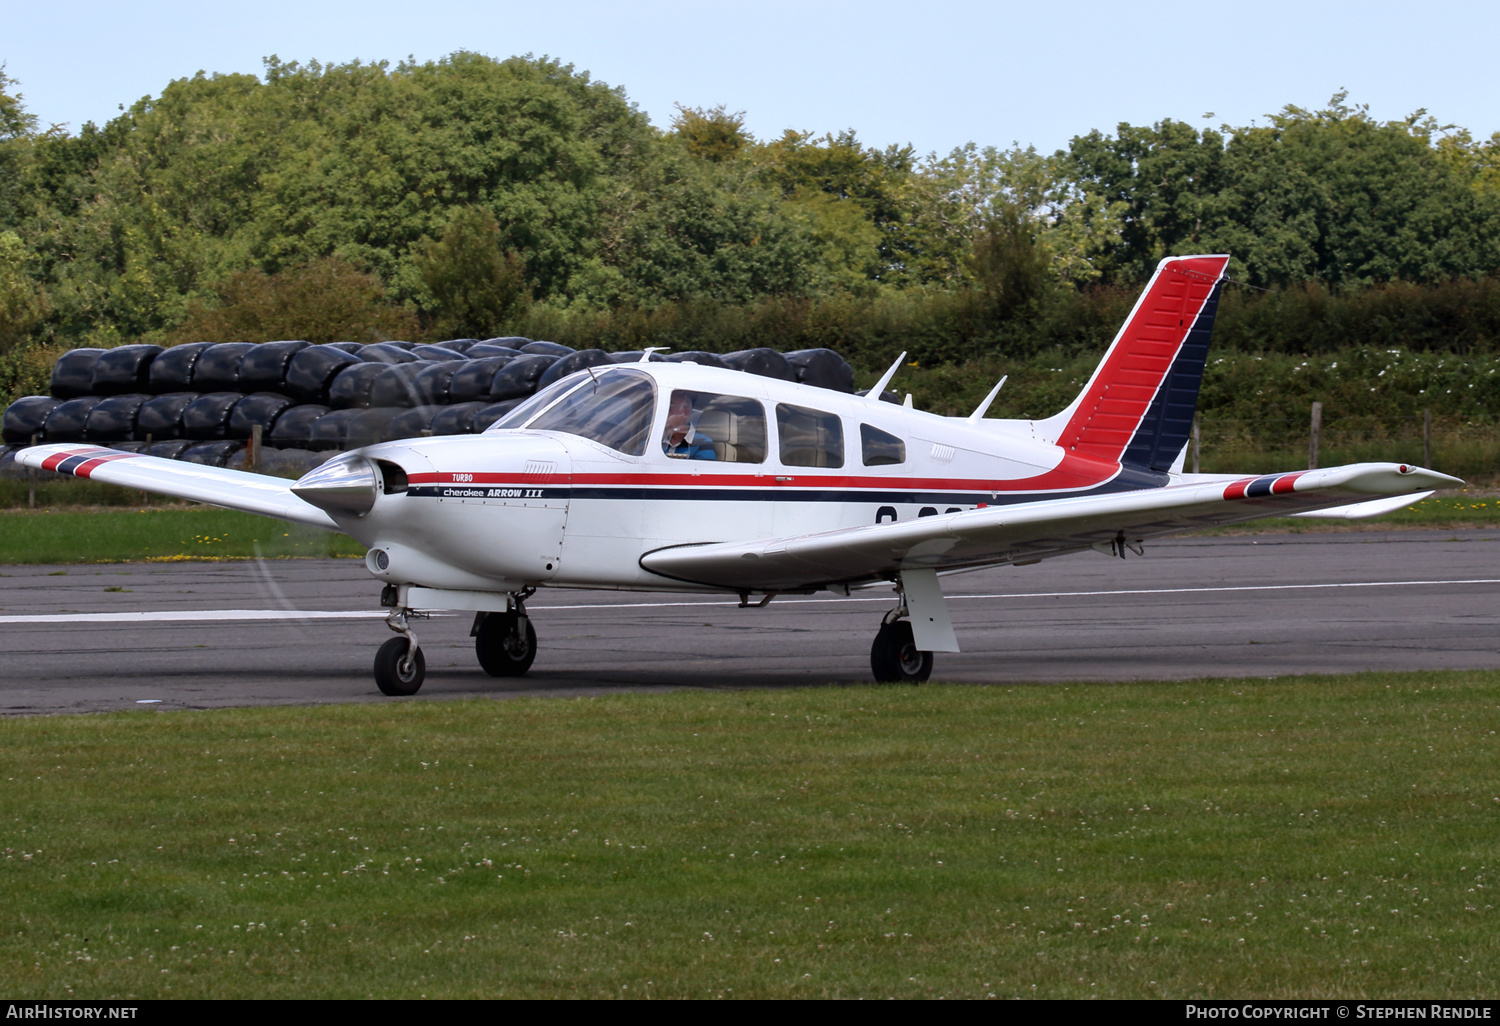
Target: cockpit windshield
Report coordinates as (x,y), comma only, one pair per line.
(611,406)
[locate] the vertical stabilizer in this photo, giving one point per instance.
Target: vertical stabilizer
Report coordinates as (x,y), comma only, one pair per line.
(1137,409)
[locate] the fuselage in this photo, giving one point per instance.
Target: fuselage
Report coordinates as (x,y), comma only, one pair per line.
(527,504)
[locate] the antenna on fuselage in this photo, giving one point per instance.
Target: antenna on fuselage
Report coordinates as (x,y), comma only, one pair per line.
(646,353)
(885,379)
(978,415)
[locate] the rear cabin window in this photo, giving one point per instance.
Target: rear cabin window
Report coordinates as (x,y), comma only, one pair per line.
(809,438)
(880,449)
(615,408)
(710,426)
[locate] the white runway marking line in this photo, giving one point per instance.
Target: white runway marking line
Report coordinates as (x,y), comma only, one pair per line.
(183,616)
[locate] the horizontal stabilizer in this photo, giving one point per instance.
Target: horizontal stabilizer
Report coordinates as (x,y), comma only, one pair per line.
(233,489)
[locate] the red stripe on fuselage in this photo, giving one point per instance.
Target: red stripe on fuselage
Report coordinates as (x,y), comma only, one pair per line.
(1073,473)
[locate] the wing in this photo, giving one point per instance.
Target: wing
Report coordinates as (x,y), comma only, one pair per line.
(234,489)
(1029,532)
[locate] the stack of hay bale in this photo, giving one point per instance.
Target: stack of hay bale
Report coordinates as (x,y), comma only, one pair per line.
(202,401)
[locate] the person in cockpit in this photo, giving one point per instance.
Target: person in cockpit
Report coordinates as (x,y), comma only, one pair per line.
(682,440)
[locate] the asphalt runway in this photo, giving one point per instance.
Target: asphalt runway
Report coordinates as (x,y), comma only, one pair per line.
(203,635)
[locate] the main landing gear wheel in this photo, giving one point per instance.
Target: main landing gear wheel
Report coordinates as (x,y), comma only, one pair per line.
(502,648)
(399,667)
(895,658)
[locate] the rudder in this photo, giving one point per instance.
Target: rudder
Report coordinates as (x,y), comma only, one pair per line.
(1137,409)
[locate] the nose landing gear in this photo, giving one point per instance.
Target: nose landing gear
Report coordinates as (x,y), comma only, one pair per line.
(399,664)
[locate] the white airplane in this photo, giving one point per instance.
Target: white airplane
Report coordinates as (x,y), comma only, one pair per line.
(678,477)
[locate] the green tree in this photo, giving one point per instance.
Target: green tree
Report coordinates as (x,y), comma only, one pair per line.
(477,288)
(714,134)
(324,300)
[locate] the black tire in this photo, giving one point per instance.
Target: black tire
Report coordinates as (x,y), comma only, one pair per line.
(394,678)
(895,658)
(496,646)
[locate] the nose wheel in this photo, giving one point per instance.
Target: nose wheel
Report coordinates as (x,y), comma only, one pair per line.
(399,663)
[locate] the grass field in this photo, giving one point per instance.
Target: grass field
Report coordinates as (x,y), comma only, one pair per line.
(197,532)
(1311,837)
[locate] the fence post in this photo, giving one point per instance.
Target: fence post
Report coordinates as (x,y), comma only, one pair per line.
(1427,437)
(1317,429)
(146,496)
(254,460)
(1197,439)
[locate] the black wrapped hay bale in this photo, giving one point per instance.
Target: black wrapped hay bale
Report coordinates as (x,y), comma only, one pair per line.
(768,363)
(518,378)
(124,369)
(484,349)
(73,373)
(371,426)
(438,354)
(351,386)
(294,427)
(509,341)
(457,419)
(211,454)
(312,370)
(331,431)
(414,422)
(546,349)
(458,345)
(348,347)
(113,418)
(472,381)
(172,370)
(161,415)
(69,421)
(264,367)
(431,385)
(27,417)
(206,418)
(397,385)
(218,367)
(386,352)
(262,409)
(487,416)
(699,357)
(822,368)
(572,364)
(171,450)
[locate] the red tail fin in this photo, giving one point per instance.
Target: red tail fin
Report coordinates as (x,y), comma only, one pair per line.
(1137,409)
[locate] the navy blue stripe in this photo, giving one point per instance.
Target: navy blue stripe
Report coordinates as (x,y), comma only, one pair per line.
(72,463)
(1130,479)
(1260,487)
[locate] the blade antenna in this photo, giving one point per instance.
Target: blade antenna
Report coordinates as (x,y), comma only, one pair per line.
(885,379)
(978,414)
(649,350)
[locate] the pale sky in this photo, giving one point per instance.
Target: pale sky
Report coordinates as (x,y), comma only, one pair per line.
(934,76)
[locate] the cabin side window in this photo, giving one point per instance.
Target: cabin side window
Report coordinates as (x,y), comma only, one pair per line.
(709,426)
(879,448)
(809,438)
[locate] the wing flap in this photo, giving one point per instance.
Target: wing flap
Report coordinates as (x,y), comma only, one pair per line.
(1029,531)
(234,489)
